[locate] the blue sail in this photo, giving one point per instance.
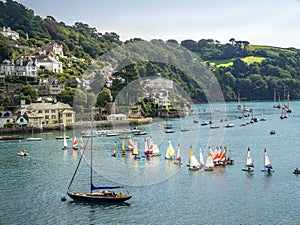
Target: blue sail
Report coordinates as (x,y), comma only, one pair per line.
(104,187)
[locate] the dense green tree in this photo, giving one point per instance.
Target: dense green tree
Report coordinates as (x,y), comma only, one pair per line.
(104,97)
(28,93)
(66,96)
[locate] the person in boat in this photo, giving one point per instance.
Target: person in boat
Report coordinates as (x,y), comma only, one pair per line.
(297,170)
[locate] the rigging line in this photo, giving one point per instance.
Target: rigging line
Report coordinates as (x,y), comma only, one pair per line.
(78,165)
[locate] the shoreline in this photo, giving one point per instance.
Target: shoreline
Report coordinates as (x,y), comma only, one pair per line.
(76,125)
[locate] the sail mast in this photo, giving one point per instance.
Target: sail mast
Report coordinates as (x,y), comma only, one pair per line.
(92,128)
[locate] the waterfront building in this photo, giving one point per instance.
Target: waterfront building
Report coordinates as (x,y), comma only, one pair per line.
(5,118)
(47,113)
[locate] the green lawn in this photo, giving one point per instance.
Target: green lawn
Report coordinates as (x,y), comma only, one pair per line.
(229,62)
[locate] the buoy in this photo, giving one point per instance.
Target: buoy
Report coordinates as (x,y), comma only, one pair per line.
(63,199)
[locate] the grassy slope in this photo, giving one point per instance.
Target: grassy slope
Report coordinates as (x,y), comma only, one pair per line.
(251,59)
(229,62)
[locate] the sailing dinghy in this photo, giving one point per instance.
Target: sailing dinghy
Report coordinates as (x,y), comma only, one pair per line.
(107,193)
(178,156)
(75,144)
(171,154)
(268,166)
(249,162)
(209,164)
(194,164)
(65,143)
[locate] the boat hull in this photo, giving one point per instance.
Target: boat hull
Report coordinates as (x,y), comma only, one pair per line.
(91,197)
(194,168)
(247,170)
(268,170)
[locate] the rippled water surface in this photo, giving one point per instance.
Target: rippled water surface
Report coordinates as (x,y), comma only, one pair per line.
(163,193)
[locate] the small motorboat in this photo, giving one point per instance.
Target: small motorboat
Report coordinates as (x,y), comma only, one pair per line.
(296,171)
(23,153)
(140,133)
(272,132)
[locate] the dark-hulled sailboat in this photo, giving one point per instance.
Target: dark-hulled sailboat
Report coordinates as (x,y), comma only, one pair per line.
(106,194)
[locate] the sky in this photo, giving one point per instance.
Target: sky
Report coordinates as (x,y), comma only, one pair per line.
(264,22)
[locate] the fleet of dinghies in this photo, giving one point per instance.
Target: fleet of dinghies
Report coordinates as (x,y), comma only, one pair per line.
(216,157)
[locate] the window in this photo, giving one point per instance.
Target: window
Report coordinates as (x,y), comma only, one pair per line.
(53,111)
(46,111)
(53,117)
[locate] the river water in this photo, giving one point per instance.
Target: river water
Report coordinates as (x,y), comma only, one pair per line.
(163,193)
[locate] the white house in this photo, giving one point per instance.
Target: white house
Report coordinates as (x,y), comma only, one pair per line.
(51,64)
(5,117)
(116,117)
(7,67)
(24,66)
(21,121)
(7,32)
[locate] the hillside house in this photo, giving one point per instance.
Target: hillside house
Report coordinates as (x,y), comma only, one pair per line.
(7,32)
(24,66)
(50,63)
(53,47)
(50,86)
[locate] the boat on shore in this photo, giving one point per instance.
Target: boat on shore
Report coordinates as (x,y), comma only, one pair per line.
(11,137)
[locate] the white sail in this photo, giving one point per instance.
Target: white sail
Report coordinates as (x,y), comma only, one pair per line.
(201,158)
(209,161)
(178,156)
(81,143)
(65,142)
(193,160)
(267,161)
(249,162)
(155,150)
(171,154)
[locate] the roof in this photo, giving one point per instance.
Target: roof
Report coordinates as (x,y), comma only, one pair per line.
(47,106)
